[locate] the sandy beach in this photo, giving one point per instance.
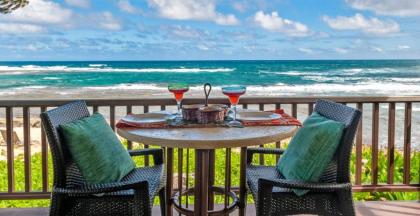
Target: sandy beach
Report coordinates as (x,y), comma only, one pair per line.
(196,93)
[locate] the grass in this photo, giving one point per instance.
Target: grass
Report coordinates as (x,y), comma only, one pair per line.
(220,172)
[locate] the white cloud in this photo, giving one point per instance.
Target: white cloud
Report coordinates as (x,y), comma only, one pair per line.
(341,50)
(377,49)
(108,21)
(18,28)
(40,11)
(79,3)
(126,6)
(371,25)
(192,10)
(202,47)
(274,23)
(388,7)
(35,46)
(240,6)
(185,32)
(306,50)
(403,47)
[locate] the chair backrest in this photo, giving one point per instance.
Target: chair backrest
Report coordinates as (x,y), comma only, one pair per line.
(62,160)
(340,165)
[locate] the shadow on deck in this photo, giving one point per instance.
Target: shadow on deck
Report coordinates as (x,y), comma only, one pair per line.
(373,208)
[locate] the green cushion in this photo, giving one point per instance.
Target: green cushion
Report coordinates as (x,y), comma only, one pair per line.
(311,150)
(96,149)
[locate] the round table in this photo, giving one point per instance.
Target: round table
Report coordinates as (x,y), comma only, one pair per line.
(205,141)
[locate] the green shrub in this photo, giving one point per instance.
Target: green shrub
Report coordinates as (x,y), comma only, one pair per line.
(220,173)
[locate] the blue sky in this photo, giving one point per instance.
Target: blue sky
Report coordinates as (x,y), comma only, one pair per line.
(211,29)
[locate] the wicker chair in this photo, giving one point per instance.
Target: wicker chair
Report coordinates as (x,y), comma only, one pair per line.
(72,195)
(332,196)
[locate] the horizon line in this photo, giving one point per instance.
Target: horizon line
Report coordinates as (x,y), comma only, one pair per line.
(198,60)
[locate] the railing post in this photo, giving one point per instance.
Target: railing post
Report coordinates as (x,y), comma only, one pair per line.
(294,110)
(261,156)
(112,117)
(407,142)
(310,108)
(391,142)
(359,147)
(169,180)
(44,155)
(146,158)
(27,148)
(10,150)
(129,110)
(227,176)
(180,162)
(242,183)
(375,137)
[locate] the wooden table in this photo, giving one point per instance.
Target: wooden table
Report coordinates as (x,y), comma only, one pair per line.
(205,141)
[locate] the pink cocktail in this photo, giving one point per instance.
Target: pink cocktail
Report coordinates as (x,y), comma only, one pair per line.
(178,90)
(179,94)
(234,92)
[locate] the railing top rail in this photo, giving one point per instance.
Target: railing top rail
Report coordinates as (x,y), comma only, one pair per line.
(170,101)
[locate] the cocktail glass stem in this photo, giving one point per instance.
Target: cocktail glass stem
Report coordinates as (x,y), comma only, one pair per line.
(234,112)
(178,104)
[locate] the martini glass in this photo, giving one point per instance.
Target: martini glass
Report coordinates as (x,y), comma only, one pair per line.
(178,89)
(234,92)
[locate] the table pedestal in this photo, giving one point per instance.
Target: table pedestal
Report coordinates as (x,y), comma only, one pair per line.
(202,173)
(204,189)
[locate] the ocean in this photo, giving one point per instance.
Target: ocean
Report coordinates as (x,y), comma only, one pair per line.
(288,78)
(139,79)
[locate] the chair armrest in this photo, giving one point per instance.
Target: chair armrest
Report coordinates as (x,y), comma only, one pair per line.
(268,184)
(157,154)
(252,151)
(102,188)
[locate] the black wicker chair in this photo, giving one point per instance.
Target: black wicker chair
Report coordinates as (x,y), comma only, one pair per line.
(71,195)
(332,196)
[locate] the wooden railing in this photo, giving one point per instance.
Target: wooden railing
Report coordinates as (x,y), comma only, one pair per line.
(299,107)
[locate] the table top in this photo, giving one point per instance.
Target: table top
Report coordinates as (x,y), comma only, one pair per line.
(208,138)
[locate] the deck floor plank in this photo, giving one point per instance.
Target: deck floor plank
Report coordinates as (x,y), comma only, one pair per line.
(374,208)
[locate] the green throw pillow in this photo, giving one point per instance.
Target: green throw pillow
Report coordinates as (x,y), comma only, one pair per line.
(96,149)
(311,150)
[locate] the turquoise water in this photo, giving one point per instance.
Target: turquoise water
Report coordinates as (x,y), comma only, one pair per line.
(262,78)
(294,77)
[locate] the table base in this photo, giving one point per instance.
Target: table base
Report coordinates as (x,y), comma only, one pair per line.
(204,189)
(214,190)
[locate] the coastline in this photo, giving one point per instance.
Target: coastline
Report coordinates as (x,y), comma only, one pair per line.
(130,91)
(195,92)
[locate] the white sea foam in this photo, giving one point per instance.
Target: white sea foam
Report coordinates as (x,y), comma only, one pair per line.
(51,78)
(290,73)
(35,69)
(284,89)
(368,88)
(409,80)
(30,87)
(128,87)
(97,65)
(353,70)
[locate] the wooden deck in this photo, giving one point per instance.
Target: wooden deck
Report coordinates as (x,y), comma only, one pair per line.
(362,208)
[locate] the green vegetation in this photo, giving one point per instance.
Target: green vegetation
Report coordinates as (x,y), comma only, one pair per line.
(220,172)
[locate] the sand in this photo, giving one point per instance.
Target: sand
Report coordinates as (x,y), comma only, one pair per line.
(193,93)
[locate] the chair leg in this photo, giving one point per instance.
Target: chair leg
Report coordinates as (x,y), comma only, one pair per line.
(346,204)
(162,199)
(56,205)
